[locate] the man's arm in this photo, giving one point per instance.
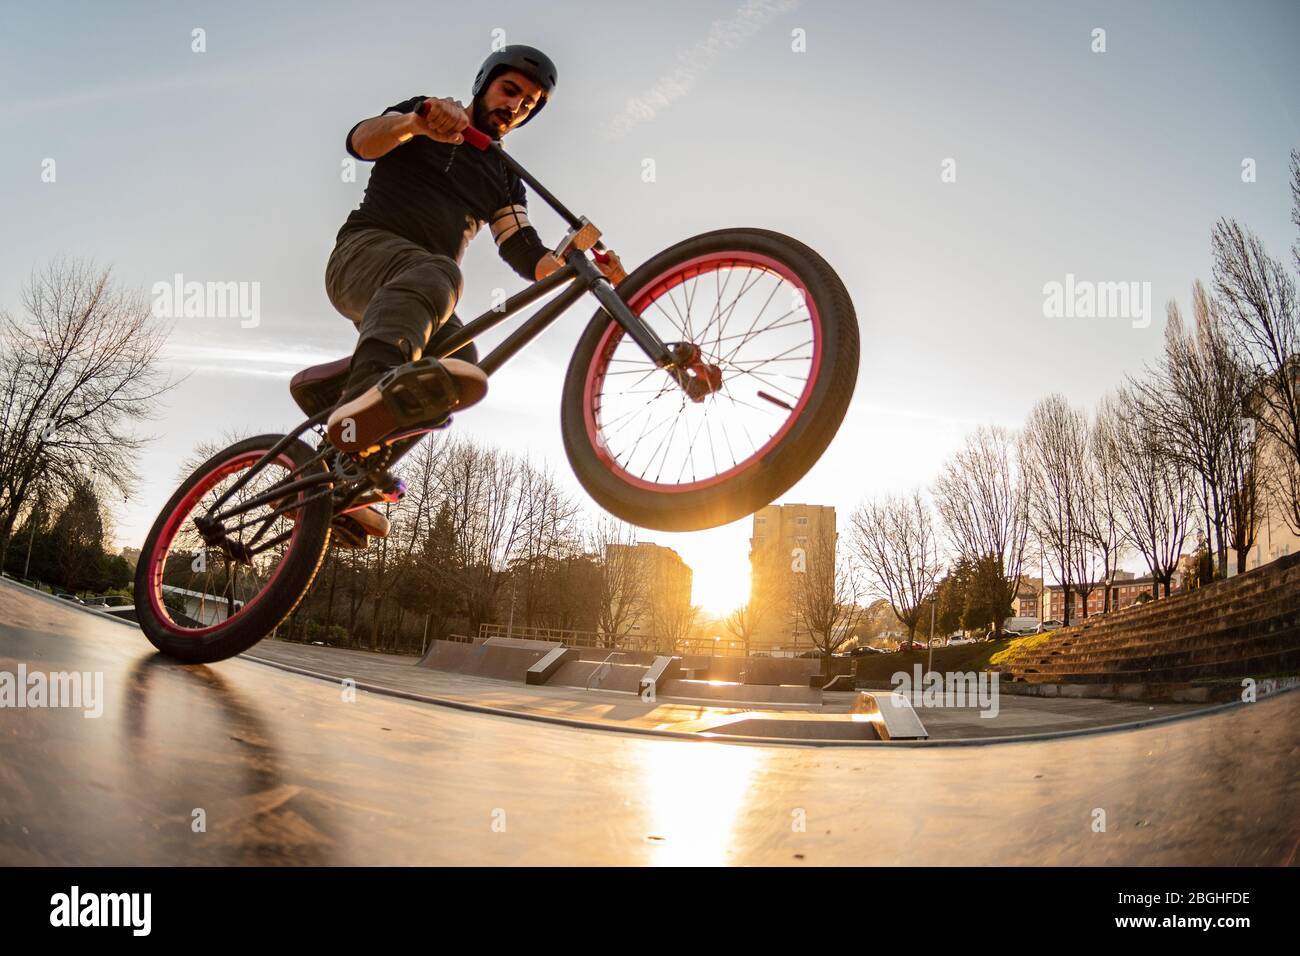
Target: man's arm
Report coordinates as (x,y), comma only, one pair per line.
(380,135)
(521,247)
(375,137)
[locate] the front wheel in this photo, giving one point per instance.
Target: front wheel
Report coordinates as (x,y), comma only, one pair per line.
(202,602)
(774,344)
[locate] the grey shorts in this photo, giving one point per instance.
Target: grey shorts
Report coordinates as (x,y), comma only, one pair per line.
(366,262)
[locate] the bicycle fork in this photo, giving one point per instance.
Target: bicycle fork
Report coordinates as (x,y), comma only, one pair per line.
(682,360)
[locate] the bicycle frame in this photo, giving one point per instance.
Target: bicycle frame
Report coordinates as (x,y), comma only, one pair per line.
(578,271)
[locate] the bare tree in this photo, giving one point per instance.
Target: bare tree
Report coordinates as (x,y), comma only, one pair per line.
(1260,300)
(826,592)
(743,622)
(896,542)
(1103,522)
(1197,396)
(668,603)
(398,555)
(76,374)
(622,586)
(548,534)
(1246,484)
(1155,487)
(1054,454)
(981,497)
(481,488)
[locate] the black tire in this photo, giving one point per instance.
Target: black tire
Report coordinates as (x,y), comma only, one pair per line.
(274,603)
(781,466)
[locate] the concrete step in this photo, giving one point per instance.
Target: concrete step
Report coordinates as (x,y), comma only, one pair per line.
(1277,662)
(1205,629)
(1277,634)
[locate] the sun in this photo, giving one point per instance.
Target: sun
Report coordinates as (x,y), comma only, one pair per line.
(720,589)
(719,563)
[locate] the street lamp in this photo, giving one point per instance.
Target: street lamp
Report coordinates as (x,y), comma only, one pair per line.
(921,576)
(934,600)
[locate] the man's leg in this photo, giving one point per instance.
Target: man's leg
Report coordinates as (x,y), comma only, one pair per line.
(397,293)
(408,294)
(466,353)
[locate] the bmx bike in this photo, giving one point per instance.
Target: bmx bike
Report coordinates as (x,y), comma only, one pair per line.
(704,386)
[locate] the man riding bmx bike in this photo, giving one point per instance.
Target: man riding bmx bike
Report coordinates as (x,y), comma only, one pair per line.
(395,267)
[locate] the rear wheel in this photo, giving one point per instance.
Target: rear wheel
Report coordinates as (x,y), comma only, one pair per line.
(773,343)
(201,603)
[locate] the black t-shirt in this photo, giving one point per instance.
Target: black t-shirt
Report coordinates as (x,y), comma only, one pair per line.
(438,195)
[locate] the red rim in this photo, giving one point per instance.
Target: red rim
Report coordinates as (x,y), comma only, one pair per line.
(655,290)
(158,557)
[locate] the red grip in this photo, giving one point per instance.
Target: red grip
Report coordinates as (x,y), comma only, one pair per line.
(474,137)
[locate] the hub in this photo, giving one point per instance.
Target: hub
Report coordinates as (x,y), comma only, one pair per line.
(698,378)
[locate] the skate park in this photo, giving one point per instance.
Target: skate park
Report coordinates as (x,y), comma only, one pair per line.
(309,755)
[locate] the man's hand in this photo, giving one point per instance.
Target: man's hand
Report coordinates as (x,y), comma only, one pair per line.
(609,264)
(446,118)
(611,268)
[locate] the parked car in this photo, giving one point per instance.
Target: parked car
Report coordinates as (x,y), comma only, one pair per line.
(64,596)
(958,641)
(1047,626)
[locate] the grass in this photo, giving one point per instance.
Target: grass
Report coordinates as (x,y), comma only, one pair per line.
(1016,645)
(966,657)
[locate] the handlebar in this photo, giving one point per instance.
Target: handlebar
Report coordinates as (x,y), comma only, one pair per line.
(473,136)
(480,140)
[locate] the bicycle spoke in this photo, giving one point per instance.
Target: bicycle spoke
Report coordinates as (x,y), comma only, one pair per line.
(769,328)
(216,582)
(737,332)
(732,308)
(667,443)
(768,382)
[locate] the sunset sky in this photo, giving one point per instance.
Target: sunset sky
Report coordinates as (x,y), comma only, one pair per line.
(225,166)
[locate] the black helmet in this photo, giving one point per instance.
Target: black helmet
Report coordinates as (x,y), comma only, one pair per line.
(528,60)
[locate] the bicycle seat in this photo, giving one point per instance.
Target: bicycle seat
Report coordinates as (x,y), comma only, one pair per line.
(319,387)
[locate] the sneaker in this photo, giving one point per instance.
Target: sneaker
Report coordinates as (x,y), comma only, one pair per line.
(411,394)
(354,528)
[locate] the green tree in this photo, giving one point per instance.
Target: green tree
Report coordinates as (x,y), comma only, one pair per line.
(428,585)
(78,537)
(988,602)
